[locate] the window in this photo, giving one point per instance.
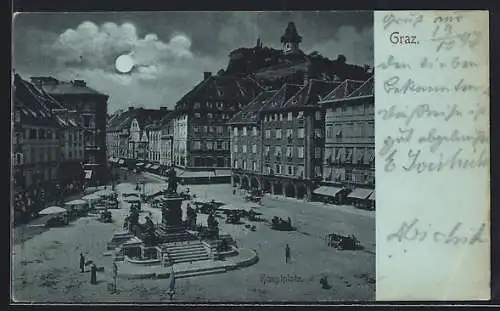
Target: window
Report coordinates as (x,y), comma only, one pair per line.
(290,116)
(211,129)
(267,150)
(225,145)
(196,105)
(235,131)
(281,117)
(210,115)
(317,133)
(290,170)
(254,166)
(370,130)
(209,105)
(300,115)
(254,148)
(289,152)
(220,129)
(300,133)
(278,169)
(196,145)
(338,130)
(41,134)
(18,117)
(317,153)
(268,133)
(289,133)
(220,105)
(301,152)
(329,131)
(235,164)
(300,171)
(197,115)
(244,148)
(266,118)
(205,128)
(235,148)
(19,159)
(317,171)
(244,131)
(317,115)
(254,131)
(219,145)
(361,130)
(18,139)
(277,151)
(278,133)
(210,145)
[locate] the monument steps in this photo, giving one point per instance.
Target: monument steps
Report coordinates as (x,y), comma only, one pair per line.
(200,272)
(187,251)
(190,259)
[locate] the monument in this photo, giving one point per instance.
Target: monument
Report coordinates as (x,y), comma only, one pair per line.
(171,225)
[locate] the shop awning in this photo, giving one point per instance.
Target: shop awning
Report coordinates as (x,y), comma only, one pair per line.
(372,196)
(360,193)
(327,191)
(140,164)
(88,174)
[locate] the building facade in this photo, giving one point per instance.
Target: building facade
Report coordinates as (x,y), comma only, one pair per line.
(129,135)
(40,166)
(293,139)
(246,144)
(91,107)
(349,160)
(201,131)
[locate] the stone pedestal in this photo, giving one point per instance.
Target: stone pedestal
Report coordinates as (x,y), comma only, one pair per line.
(171,227)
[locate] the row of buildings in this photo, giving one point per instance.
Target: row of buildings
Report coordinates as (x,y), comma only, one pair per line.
(280,120)
(305,140)
(58,131)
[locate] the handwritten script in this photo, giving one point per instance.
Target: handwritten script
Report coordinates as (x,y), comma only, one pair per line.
(417,146)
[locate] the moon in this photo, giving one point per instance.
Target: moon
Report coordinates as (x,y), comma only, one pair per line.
(124,63)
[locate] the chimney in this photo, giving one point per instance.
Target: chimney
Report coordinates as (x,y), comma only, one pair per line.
(130,108)
(206,75)
(79,83)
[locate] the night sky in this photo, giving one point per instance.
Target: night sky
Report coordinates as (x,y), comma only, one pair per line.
(171,49)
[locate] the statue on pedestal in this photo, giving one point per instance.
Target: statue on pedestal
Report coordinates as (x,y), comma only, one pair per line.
(172,181)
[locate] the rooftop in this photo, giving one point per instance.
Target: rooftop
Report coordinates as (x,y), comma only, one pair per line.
(54,86)
(250,113)
(220,87)
(343,90)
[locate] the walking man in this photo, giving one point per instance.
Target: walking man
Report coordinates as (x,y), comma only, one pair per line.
(171,291)
(82,262)
(287,253)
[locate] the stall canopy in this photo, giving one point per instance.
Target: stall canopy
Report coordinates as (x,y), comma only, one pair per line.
(140,164)
(52,210)
(155,167)
(327,191)
(76,202)
(372,196)
(121,161)
(360,193)
(147,165)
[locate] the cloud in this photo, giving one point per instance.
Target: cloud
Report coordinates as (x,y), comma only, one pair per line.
(164,70)
(356,45)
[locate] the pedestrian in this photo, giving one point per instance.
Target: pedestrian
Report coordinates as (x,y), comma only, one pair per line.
(82,263)
(93,274)
(171,291)
(287,253)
